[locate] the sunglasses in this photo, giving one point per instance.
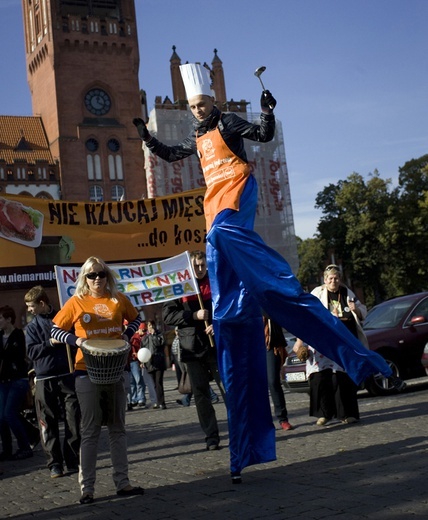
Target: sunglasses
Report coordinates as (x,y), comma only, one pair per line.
(94,276)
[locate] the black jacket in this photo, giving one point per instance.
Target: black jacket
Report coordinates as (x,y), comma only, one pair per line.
(48,360)
(156,344)
(13,357)
(194,342)
(233,129)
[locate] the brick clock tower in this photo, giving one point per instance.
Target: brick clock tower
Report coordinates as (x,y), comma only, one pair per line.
(82,66)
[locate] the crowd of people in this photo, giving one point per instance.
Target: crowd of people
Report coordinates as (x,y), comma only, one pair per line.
(232,335)
(63,392)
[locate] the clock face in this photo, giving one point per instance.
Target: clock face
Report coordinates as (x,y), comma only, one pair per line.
(97,101)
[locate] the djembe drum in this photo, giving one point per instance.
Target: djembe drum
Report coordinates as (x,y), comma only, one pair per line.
(105,361)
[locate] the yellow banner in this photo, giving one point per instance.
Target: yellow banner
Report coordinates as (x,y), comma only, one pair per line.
(48,232)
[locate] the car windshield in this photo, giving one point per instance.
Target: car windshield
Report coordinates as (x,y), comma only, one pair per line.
(387,316)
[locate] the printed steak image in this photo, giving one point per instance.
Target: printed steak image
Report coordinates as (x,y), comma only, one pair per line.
(15,221)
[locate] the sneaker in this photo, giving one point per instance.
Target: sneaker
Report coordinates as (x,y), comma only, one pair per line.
(142,404)
(156,406)
(56,471)
(183,402)
(73,469)
(322,421)
(236,478)
(212,445)
(285,425)
(397,383)
(130,491)
(215,400)
(349,420)
(86,499)
(23,454)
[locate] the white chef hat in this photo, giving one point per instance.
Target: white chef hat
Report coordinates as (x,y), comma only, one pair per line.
(196,79)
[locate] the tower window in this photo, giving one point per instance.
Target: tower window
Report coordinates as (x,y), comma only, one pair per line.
(117,192)
(92,145)
(93,165)
(113,145)
(96,194)
(115,167)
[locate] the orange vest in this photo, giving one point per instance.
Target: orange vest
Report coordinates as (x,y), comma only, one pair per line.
(224,172)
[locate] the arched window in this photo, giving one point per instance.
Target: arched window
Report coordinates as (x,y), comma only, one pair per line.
(96,193)
(117,192)
(97,163)
(93,160)
(44,195)
(90,167)
(114,160)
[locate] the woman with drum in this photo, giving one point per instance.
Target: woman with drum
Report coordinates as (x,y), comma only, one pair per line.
(95,315)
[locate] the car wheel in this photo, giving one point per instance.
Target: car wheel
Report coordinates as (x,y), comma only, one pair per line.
(378,384)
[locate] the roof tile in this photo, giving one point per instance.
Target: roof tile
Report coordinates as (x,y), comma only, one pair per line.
(23,138)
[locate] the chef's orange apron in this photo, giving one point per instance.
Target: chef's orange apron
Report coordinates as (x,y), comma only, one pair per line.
(224,172)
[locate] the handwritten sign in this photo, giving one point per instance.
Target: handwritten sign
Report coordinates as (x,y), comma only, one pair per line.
(144,284)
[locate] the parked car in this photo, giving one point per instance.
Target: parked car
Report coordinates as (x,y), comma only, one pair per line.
(397,329)
(294,374)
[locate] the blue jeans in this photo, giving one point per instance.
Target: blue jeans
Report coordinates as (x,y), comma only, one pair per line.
(138,386)
(12,395)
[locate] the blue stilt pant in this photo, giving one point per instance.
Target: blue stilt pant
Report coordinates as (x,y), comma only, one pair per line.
(247,275)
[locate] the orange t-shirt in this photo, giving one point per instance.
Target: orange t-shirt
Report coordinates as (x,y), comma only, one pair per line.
(95,318)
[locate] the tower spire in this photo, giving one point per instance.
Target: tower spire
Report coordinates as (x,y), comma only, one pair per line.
(178,91)
(219,84)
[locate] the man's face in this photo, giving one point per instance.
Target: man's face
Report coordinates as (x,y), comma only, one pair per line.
(150,328)
(36,308)
(200,267)
(201,106)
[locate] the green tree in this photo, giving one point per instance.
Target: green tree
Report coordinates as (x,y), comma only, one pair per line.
(368,211)
(412,225)
(311,259)
(379,232)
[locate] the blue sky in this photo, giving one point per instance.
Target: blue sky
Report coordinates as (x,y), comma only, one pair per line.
(350,76)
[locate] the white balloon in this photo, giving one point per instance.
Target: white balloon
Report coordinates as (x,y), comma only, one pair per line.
(144,355)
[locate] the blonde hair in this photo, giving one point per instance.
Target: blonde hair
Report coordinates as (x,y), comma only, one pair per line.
(332,269)
(82,288)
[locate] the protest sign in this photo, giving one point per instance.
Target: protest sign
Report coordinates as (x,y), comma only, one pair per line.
(144,284)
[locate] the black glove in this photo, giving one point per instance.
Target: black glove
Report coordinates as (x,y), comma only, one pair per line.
(267,102)
(142,128)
